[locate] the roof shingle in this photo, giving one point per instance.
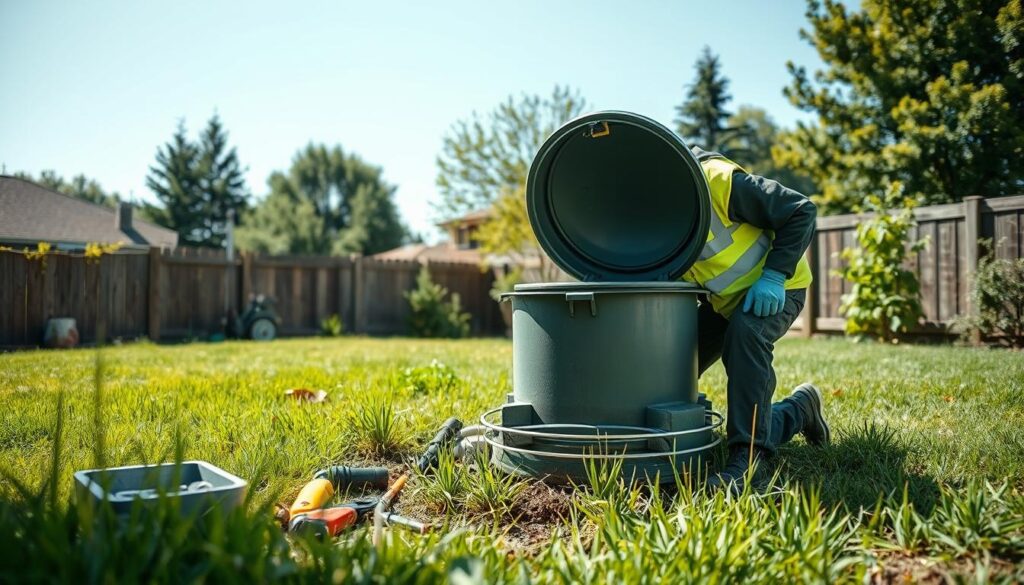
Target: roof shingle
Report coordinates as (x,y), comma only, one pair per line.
(32,213)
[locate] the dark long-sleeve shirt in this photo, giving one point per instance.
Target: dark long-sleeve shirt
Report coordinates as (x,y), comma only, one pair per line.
(767,204)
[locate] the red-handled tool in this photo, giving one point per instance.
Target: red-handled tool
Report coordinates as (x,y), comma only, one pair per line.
(330,522)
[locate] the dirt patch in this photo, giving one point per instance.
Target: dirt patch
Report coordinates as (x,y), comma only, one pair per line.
(538,511)
(541,503)
(901,568)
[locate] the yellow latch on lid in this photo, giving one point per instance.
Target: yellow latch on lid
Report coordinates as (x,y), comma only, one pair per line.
(599,129)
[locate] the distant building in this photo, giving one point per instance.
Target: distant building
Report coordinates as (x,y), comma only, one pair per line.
(460,248)
(463,247)
(462,230)
(31,213)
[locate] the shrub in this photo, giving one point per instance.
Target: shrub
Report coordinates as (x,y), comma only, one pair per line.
(998,294)
(884,300)
(331,326)
(431,315)
(436,378)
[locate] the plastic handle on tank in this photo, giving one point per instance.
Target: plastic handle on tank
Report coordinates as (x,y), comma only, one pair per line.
(343,477)
(586,297)
(312,497)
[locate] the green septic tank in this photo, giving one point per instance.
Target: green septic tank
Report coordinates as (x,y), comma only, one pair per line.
(606,368)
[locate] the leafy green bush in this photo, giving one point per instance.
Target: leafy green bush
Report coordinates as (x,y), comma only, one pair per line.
(431,315)
(998,293)
(436,378)
(331,326)
(885,298)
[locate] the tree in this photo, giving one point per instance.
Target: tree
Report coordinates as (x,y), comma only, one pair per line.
(328,202)
(198,184)
(484,164)
(221,180)
(79,187)
(752,146)
(483,157)
(702,118)
(925,93)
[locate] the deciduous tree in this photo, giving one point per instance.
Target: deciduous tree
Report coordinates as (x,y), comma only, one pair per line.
(327,202)
(485,156)
(928,94)
(484,164)
(752,148)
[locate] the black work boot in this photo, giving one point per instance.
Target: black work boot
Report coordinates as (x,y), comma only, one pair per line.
(808,398)
(734,475)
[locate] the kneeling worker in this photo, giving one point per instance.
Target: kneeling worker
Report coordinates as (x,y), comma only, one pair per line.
(754,267)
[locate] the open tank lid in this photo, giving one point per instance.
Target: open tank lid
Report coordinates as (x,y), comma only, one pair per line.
(615,196)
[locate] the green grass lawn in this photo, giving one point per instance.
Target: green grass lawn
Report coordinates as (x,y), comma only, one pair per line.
(925,476)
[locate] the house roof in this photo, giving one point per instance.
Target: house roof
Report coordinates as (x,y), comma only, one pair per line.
(443,252)
(473,217)
(32,213)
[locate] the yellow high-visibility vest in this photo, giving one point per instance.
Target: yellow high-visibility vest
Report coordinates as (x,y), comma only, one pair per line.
(734,255)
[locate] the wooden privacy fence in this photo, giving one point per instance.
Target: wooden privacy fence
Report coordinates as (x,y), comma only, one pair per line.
(944,268)
(186,293)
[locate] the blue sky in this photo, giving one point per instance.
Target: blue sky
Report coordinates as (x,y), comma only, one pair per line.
(95,87)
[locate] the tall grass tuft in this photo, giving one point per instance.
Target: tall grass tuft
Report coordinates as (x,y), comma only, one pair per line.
(378,432)
(492,491)
(445,487)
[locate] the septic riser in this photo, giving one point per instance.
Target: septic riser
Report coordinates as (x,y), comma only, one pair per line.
(562,471)
(661,418)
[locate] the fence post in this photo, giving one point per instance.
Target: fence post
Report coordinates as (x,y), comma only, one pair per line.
(153,310)
(972,232)
(246,280)
(809,314)
(358,298)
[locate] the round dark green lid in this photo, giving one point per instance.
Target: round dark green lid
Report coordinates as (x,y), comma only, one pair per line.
(615,196)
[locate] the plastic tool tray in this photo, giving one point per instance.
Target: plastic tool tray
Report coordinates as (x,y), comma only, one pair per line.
(200,486)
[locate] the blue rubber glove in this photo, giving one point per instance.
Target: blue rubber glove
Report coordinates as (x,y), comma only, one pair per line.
(768,294)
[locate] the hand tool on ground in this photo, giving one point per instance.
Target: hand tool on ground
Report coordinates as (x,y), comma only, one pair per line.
(343,476)
(330,522)
(384,506)
(315,494)
(393,518)
(449,432)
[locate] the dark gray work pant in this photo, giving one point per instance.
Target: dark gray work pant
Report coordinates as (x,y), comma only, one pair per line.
(745,343)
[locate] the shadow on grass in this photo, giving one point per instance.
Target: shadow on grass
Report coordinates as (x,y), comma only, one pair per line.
(861,466)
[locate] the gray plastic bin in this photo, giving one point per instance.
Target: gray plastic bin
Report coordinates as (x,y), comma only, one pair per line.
(121,486)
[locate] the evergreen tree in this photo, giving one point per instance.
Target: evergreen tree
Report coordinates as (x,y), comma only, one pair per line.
(197,183)
(927,95)
(328,202)
(221,180)
(702,118)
